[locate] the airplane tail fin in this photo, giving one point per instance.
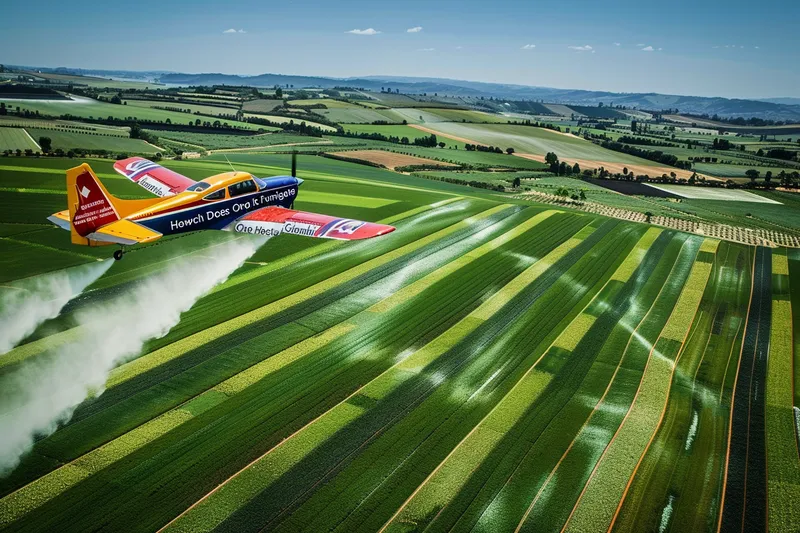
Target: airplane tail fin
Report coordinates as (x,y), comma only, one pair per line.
(91,206)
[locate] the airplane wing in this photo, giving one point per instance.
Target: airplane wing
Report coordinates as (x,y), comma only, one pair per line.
(158,180)
(272,221)
(124,232)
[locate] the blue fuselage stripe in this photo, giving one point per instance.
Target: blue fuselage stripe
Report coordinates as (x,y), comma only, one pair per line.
(218,215)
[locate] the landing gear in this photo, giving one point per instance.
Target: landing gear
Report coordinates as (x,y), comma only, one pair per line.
(118,254)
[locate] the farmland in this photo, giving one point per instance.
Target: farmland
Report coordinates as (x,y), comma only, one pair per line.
(220,141)
(16,139)
(389,160)
(87,108)
(67,140)
(535,141)
(493,364)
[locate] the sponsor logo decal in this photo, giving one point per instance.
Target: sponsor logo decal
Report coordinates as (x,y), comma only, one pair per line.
(138,167)
(155,186)
(341,227)
(300,228)
(267,229)
(94,210)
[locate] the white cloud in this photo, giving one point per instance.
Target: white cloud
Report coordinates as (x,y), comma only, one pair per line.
(584,48)
(756,47)
(415,29)
(617,44)
(426,49)
(659,49)
(368,31)
(529,47)
(648,49)
(640,44)
(460,47)
(231,30)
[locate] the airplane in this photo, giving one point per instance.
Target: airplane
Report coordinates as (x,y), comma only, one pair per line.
(232,201)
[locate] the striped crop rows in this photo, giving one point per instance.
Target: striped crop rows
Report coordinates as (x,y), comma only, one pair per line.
(488,367)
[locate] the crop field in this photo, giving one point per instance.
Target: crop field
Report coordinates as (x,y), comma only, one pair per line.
(390,160)
(491,365)
(189,107)
(536,141)
(397,131)
(723,170)
(89,108)
(359,115)
(16,139)
(261,105)
(330,103)
(427,115)
(708,193)
(282,120)
(17,122)
(67,140)
(93,81)
(597,112)
(213,141)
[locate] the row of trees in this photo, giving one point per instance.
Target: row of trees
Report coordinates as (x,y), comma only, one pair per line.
(481,148)
(429,141)
(653,155)
(629,139)
(561,168)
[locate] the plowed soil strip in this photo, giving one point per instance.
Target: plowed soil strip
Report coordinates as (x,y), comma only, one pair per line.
(745,497)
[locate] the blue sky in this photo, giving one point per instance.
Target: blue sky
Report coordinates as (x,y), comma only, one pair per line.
(733,49)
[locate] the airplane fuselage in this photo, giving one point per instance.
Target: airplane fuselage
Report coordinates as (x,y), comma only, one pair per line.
(190,211)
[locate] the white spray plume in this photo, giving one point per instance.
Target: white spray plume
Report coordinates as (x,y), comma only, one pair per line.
(45,391)
(29,302)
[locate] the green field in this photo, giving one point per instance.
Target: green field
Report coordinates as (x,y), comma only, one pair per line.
(67,140)
(539,141)
(397,131)
(738,171)
(213,141)
(492,365)
(283,120)
(88,108)
(190,107)
(16,139)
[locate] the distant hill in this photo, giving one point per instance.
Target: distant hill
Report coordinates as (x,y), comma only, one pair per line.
(785,101)
(786,109)
(697,105)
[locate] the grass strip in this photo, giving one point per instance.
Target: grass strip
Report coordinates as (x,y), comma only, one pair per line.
(47,487)
(49,342)
(176,349)
(247,483)
(596,507)
(632,262)
(783,464)
(453,473)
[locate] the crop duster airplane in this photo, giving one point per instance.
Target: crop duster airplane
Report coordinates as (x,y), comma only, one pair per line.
(233,201)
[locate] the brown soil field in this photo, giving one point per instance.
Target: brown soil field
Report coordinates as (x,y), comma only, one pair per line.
(652,171)
(390,160)
(440,134)
(614,168)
